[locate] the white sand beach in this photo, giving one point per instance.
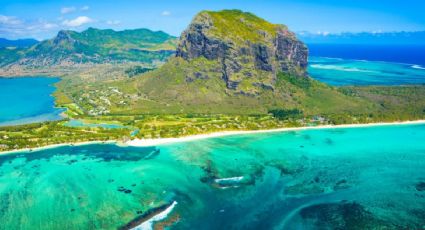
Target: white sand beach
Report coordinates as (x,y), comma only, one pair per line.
(162,141)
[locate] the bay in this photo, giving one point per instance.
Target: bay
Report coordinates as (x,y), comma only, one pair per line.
(27,100)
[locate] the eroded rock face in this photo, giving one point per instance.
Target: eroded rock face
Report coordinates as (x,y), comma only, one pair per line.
(255,61)
(195,42)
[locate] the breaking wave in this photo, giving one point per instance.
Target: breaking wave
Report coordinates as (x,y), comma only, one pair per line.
(340,68)
(417,67)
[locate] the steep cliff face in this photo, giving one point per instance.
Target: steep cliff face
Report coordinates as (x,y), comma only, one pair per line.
(250,50)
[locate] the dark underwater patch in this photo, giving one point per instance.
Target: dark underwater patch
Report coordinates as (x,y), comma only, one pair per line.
(307,137)
(329,141)
(336,131)
(342,215)
(420,186)
(103,152)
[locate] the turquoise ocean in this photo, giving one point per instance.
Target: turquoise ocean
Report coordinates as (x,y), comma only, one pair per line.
(343,72)
(27,100)
(336,178)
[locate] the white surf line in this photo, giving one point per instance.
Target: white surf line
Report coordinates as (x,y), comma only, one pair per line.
(232,179)
(341,68)
(148,224)
(363,60)
(418,67)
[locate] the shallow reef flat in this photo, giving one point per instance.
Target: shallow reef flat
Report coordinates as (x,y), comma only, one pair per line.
(341,72)
(346,178)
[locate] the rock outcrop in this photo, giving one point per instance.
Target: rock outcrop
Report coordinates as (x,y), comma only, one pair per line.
(251,51)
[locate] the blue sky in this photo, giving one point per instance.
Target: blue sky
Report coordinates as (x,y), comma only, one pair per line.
(42,19)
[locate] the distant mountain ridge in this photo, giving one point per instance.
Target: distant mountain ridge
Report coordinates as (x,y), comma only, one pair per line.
(94,46)
(19,43)
(383,38)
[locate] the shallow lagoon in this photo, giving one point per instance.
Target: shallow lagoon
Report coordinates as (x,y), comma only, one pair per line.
(27,100)
(347,177)
(80,123)
(340,72)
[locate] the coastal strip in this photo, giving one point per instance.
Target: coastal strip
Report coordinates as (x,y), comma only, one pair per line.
(164,141)
(27,150)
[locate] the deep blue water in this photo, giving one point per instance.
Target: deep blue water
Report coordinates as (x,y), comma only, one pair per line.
(27,100)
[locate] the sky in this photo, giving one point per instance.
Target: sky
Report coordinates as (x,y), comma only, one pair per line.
(42,19)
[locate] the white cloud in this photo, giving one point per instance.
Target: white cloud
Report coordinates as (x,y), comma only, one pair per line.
(78,21)
(113,22)
(48,25)
(9,20)
(13,27)
(323,33)
(85,8)
(166,13)
(40,25)
(67,10)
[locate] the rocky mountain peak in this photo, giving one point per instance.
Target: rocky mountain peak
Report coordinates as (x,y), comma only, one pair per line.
(63,36)
(250,50)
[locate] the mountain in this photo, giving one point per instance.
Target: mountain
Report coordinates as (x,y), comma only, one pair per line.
(378,38)
(232,62)
(245,45)
(19,43)
(96,46)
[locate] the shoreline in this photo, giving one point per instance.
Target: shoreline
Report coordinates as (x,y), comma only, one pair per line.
(35,149)
(164,141)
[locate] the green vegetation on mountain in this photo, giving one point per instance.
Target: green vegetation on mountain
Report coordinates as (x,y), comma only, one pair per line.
(72,50)
(392,102)
(240,26)
(10,55)
(214,75)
